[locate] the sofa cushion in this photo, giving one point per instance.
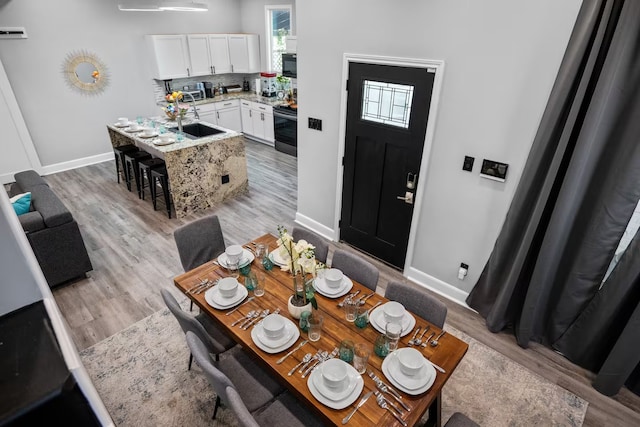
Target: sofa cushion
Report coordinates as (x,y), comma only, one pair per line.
(31,221)
(53,211)
(21,203)
(29,179)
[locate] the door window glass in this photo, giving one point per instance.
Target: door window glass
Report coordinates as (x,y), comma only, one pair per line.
(278,27)
(386,103)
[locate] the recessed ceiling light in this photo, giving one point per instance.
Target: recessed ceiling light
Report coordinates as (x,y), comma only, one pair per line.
(139,6)
(184,6)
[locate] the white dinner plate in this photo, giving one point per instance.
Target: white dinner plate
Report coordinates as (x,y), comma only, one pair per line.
(289,325)
(335,395)
(376,318)
(277,259)
(133,130)
(148,135)
(392,371)
(246,258)
(320,285)
(274,343)
(213,298)
(158,141)
(118,125)
(340,404)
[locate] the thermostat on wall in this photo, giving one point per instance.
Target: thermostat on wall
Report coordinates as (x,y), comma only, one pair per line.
(494,170)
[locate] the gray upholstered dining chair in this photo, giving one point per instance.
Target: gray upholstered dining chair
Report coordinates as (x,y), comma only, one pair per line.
(198,242)
(235,370)
(322,247)
(418,301)
(214,339)
(356,268)
(458,419)
(285,407)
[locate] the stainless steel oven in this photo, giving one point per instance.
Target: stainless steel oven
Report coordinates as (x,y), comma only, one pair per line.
(285,126)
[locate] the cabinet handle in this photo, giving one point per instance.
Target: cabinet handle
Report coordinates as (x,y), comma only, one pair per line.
(262,116)
(188,72)
(250,115)
(212,72)
(218,114)
(232,68)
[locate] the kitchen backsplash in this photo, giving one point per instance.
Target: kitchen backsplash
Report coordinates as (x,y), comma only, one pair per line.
(225,79)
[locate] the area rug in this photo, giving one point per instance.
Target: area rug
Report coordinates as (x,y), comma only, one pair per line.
(141,374)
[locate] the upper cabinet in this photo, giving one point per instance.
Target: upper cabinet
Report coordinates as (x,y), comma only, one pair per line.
(178,56)
(171,54)
(244,52)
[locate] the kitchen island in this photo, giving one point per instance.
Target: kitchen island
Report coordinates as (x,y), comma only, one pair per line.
(197,168)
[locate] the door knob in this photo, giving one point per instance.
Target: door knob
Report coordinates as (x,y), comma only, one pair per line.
(408,197)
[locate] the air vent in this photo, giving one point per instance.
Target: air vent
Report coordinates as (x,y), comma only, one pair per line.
(13,33)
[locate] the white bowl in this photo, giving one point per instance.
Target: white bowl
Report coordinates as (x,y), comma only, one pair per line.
(273,326)
(334,372)
(228,287)
(234,252)
(410,361)
(166,137)
(123,121)
(333,278)
(393,312)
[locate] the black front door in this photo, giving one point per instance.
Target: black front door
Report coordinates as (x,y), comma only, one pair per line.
(387,111)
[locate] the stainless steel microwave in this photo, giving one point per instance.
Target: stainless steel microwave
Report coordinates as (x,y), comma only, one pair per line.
(289,65)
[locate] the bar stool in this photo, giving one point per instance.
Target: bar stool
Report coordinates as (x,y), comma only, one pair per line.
(146,166)
(160,175)
(119,153)
(132,161)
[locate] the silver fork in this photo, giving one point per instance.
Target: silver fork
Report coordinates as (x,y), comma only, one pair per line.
(418,341)
(351,295)
(413,338)
(314,357)
(383,404)
(256,313)
(264,314)
(306,359)
(379,395)
(424,344)
(246,316)
(383,388)
(312,368)
(313,362)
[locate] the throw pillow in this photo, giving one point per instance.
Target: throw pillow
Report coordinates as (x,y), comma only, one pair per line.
(21,203)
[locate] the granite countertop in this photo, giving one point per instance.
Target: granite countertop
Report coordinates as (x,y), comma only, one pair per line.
(249,96)
(186,143)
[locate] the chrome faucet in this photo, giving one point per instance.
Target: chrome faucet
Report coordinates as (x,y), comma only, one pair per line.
(193,102)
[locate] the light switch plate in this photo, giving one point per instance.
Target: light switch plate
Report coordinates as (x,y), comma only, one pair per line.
(496,171)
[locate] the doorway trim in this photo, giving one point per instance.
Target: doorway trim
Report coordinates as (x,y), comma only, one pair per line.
(438,65)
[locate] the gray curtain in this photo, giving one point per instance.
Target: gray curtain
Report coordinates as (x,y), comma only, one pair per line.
(576,195)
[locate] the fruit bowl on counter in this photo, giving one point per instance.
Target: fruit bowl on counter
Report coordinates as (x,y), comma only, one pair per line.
(172,112)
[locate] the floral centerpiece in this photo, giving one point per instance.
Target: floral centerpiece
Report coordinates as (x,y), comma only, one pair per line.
(175,109)
(302,265)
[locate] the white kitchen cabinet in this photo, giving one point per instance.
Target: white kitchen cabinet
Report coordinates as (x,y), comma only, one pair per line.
(169,56)
(244,53)
(199,54)
(219,53)
(257,120)
(228,114)
(209,54)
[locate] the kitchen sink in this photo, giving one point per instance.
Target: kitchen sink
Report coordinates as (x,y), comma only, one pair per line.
(197,130)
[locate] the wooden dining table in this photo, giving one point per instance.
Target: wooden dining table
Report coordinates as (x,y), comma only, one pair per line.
(278,288)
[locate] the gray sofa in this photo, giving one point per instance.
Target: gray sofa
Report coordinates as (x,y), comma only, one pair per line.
(51,230)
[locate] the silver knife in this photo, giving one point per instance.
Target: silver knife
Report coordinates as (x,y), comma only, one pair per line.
(436,366)
(279,361)
(362,402)
(248,299)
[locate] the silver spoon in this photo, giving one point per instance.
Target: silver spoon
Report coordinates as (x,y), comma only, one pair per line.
(314,357)
(264,314)
(383,404)
(435,342)
(255,314)
(306,359)
(424,344)
(413,338)
(247,316)
(419,340)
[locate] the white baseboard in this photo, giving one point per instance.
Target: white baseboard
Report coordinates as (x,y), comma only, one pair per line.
(78,163)
(438,286)
(315,226)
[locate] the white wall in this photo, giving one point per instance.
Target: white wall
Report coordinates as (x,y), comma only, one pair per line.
(253,20)
(501,59)
(64,125)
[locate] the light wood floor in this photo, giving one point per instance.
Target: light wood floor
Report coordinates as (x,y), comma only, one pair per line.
(134,256)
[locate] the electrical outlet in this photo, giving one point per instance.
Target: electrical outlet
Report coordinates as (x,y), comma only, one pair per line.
(463,265)
(225,179)
(468,163)
(315,124)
